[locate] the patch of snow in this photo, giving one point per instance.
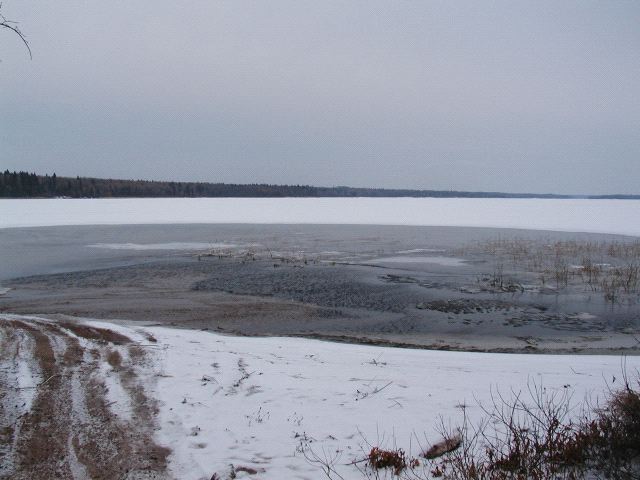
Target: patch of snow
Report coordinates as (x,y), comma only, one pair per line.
(81,416)
(22,375)
(27,372)
(162,246)
(117,397)
(421,250)
(574,215)
(445,261)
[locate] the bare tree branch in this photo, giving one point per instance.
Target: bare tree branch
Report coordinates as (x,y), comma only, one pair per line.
(13,26)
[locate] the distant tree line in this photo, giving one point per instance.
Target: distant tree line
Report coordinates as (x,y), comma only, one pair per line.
(31,185)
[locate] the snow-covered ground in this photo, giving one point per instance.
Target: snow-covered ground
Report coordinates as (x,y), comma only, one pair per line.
(599,216)
(251,401)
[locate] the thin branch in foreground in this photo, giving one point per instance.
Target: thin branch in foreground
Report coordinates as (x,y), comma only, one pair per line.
(13,26)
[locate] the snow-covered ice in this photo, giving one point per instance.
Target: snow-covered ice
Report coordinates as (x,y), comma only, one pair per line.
(579,215)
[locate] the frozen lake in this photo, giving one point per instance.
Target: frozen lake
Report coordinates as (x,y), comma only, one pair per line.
(597,216)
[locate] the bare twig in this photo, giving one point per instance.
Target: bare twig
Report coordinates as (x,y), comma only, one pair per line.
(13,26)
(40,384)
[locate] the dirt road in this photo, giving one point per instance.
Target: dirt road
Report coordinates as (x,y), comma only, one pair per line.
(58,418)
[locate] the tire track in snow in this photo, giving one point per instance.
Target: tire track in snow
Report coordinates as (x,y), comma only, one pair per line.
(71,430)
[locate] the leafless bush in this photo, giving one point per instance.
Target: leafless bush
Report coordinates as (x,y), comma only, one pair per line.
(628,275)
(590,271)
(609,442)
(539,434)
(561,272)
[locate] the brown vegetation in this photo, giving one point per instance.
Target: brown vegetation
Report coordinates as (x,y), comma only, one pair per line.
(540,438)
(96,334)
(609,267)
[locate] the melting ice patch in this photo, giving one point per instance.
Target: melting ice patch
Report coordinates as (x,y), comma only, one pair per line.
(162,246)
(445,261)
(420,250)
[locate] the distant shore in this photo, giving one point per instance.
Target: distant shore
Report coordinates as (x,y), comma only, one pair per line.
(31,185)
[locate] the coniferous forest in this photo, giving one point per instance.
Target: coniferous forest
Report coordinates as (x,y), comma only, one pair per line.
(30,185)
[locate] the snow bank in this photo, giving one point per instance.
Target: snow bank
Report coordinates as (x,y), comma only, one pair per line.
(599,216)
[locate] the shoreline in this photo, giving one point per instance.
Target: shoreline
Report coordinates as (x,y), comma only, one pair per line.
(411,287)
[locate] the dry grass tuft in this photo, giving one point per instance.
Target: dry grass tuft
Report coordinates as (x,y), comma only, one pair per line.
(114,359)
(96,334)
(395,460)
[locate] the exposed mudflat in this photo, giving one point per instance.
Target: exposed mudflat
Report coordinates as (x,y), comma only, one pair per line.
(431,287)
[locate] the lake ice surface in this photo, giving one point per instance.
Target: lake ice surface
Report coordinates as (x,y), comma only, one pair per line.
(574,215)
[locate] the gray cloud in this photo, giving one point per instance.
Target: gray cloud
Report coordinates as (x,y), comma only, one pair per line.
(510,96)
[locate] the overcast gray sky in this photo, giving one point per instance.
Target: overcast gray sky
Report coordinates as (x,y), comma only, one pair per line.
(539,96)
